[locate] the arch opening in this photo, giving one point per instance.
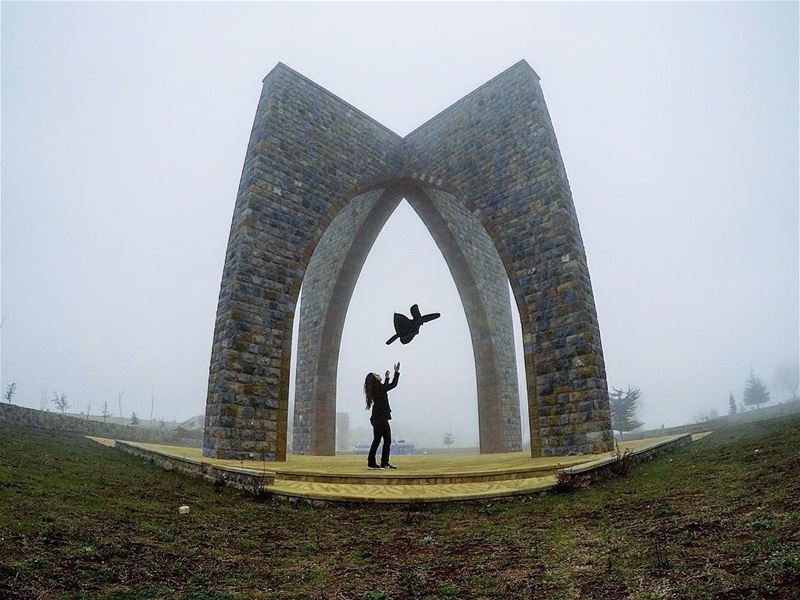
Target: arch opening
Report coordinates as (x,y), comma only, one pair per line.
(438,391)
(482,286)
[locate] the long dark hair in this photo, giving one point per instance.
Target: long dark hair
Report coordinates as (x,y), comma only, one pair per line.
(371,387)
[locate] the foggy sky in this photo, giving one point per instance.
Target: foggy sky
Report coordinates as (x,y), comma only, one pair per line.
(124,130)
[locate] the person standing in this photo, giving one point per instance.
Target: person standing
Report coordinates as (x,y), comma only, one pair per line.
(377,396)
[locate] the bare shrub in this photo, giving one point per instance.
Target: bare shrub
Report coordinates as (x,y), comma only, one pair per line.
(258,485)
(623,461)
(659,554)
(60,402)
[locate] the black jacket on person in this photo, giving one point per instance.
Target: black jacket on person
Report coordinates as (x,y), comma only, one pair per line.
(380,404)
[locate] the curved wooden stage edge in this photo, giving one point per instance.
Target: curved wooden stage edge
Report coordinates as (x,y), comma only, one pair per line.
(418,478)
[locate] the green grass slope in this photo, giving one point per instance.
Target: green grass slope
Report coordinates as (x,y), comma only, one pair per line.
(717,519)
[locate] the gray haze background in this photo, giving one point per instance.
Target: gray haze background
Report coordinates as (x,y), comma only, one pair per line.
(124,129)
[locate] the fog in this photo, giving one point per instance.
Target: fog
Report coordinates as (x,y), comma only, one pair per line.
(124,129)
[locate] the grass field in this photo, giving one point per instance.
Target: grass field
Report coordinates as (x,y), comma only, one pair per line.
(717,519)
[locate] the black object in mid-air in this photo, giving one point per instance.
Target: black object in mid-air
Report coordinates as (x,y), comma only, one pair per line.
(406,328)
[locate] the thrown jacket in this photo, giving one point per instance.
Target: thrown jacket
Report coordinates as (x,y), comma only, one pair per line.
(380,405)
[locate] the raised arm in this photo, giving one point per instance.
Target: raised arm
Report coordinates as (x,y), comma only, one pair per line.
(390,386)
(393,383)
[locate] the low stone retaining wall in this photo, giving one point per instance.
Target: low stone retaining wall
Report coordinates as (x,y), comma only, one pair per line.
(244,479)
(20,416)
(604,468)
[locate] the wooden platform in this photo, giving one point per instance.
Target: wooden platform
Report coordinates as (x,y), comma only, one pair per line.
(418,478)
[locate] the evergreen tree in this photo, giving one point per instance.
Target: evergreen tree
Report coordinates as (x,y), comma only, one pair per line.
(623,409)
(732,404)
(755,392)
(448,439)
(134,419)
(104,410)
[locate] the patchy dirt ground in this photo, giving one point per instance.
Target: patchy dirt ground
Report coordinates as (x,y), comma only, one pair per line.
(718,519)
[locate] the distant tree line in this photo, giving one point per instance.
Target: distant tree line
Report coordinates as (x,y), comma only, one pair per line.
(756,393)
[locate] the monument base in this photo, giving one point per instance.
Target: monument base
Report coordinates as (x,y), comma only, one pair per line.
(418,478)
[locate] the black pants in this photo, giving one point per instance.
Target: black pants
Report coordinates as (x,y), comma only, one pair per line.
(380,429)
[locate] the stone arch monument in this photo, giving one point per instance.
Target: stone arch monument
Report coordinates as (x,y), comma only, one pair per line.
(320,179)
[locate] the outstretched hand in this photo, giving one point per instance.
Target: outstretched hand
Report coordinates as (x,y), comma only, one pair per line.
(387,374)
(396,368)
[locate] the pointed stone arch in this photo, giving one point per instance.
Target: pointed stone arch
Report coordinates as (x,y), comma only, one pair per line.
(482,284)
(494,155)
